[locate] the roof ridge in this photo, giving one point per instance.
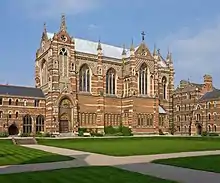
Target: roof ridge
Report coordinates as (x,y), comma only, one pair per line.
(19,86)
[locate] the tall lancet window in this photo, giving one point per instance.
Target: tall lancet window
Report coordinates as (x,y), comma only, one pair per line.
(110,82)
(63,62)
(84,78)
(143,80)
(164,87)
(43,72)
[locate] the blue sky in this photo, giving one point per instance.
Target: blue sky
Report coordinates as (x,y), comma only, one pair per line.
(191,30)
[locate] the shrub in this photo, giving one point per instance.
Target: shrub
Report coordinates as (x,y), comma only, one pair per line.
(213,134)
(172,128)
(84,130)
(4,134)
(25,135)
(110,130)
(80,133)
(126,131)
(94,134)
(161,132)
(46,134)
(204,133)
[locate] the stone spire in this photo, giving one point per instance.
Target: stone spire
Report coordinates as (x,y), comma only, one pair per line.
(132,46)
(169,57)
(63,23)
(99,47)
(155,50)
(124,50)
(45,28)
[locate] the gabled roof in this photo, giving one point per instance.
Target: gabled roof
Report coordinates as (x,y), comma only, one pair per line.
(215,94)
(21,91)
(90,47)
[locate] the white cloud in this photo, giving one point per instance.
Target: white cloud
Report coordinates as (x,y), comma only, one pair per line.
(53,8)
(196,55)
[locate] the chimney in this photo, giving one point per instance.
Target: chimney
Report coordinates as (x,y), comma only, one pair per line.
(207,83)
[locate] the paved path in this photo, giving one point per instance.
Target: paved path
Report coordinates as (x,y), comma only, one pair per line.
(139,164)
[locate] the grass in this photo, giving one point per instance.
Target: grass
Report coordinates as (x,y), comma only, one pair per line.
(11,154)
(207,163)
(136,146)
(82,175)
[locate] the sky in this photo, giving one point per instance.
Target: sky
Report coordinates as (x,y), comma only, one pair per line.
(189,29)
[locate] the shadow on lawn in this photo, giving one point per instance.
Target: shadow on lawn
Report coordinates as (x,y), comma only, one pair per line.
(44,163)
(6,155)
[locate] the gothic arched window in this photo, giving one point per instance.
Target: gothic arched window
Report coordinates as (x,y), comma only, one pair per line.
(63,62)
(27,124)
(143,80)
(164,85)
(110,82)
(40,123)
(84,78)
(43,72)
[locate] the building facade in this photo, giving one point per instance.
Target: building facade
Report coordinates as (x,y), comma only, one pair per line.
(91,85)
(196,107)
(22,110)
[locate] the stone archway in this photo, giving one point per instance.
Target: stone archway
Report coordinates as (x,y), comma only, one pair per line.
(13,129)
(65,115)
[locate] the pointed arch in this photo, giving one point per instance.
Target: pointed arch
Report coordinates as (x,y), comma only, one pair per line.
(144,79)
(63,62)
(43,72)
(110,81)
(84,78)
(164,87)
(65,114)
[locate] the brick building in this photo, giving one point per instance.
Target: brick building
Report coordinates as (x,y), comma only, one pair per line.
(21,109)
(92,85)
(196,107)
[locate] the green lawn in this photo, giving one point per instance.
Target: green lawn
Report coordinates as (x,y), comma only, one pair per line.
(207,163)
(82,175)
(136,146)
(13,154)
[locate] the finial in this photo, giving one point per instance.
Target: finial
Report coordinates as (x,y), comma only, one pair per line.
(158,51)
(99,45)
(124,51)
(155,50)
(143,35)
(132,45)
(168,54)
(45,27)
(63,23)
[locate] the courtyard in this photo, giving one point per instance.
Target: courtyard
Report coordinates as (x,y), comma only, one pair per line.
(97,160)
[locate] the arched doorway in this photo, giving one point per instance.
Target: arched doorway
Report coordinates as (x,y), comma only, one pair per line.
(199,129)
(65,109)
(13,129)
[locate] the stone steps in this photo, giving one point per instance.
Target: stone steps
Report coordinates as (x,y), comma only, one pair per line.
(24,140)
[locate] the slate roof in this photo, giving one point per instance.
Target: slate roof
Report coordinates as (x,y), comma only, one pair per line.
(21,91)
(211,95)
(90,47)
